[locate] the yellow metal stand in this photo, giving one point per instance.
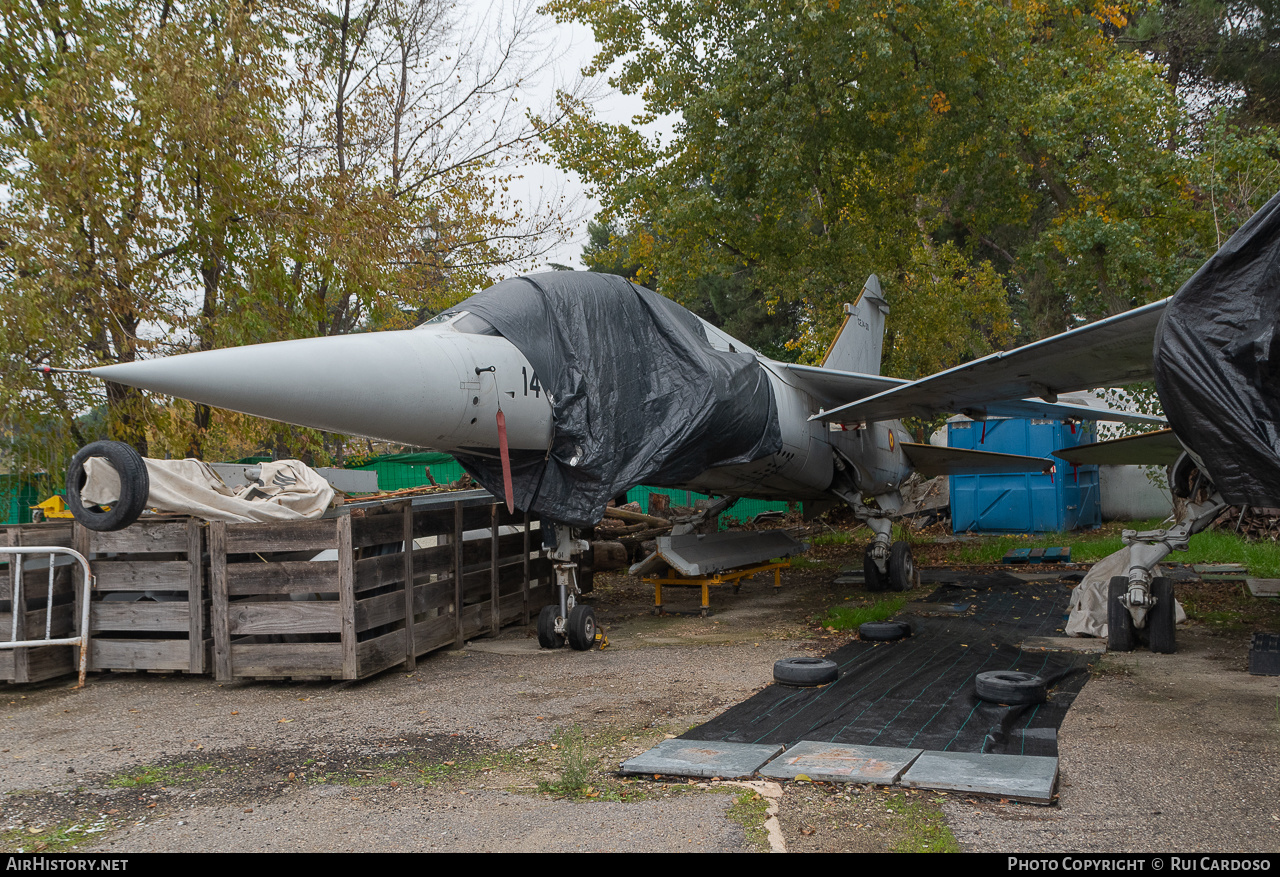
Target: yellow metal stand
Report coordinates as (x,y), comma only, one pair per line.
(732,577)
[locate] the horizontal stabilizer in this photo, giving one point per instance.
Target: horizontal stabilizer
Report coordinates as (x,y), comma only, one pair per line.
(831,387)
(1109,353)
(931,460)
(1149,449)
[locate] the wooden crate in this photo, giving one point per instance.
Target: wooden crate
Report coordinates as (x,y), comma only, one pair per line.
(167,627)
(38,663)
(278,612)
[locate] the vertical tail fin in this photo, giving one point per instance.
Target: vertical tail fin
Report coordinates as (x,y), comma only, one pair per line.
(860,341)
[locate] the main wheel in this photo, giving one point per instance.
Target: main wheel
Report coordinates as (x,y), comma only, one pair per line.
(1162,618)
(1119,621)
(547,636)
(805,672)
(873,579)
(1011,687)
(135,486)
(902,567)
(582,628)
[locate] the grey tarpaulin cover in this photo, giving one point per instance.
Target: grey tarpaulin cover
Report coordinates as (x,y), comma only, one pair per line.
(1217,362)
(638,393)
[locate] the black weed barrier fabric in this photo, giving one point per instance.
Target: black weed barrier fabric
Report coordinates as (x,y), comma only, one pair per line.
(919,692)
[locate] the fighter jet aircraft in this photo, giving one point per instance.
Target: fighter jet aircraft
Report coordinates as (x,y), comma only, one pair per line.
(560,391)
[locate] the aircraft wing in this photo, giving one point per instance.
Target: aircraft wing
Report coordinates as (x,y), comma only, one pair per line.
(1158,448)
(931,460)
(1108,353)
(834,388)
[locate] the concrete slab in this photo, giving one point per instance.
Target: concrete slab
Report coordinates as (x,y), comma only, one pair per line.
(841,763)
(701,758)
(1264,587)
(1086,644)
(1029,778)
(847,580)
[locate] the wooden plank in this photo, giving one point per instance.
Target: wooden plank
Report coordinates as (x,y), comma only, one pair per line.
(525,565)
(50,662)
(433,560)
(138,654)
(282,577)
(433,633)
(347,598)
(376,530)
(495,621)
(287,659)
(143,575)
(381,652)
(245,618)
(196,613)
(474,620)
(377,611)
(218,601)
(459,639)
(59,534)
(433,596)
(17,621)
(140,538)
(406,574)
(377,572)
(284,536)
(172,617)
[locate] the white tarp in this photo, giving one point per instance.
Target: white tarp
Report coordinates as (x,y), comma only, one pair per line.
(1088,604)
(286,490)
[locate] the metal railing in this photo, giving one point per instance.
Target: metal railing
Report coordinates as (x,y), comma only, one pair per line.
(16,572)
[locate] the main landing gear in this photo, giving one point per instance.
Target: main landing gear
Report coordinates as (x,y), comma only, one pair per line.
(566,621)
(1141,601)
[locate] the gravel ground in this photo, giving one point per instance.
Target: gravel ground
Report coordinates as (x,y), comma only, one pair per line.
(1159,752)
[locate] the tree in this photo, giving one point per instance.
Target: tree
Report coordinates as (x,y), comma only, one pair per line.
(190,176)
(1005,168)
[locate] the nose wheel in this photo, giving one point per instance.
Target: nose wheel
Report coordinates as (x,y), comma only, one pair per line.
(579,629)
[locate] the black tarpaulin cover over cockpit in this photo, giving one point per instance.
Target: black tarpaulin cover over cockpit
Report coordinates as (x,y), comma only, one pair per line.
(1217,362)
(638,393)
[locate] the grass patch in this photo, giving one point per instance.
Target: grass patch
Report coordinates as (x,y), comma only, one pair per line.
(154,775)
(750,809)
(799,562)
(837,537)
(852,617)
(1212,546)
(576,766)
(61,838)
(920,826)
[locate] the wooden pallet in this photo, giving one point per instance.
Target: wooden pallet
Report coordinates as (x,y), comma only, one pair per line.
(161,563)
(37,663)
(277,612)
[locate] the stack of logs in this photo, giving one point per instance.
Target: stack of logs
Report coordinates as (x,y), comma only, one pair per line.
(1255,524)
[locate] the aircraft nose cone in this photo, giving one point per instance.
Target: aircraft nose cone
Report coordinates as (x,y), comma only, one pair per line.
(415,387)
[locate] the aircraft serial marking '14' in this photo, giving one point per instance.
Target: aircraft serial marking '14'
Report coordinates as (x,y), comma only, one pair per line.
(560,391)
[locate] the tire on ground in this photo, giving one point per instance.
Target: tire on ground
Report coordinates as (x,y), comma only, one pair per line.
(135,486)
(873,579)
(902,567)
(884,631)
(1162,619)
(805,672)
(1119,621)
(547,636)
(1011,687)
(581,628)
